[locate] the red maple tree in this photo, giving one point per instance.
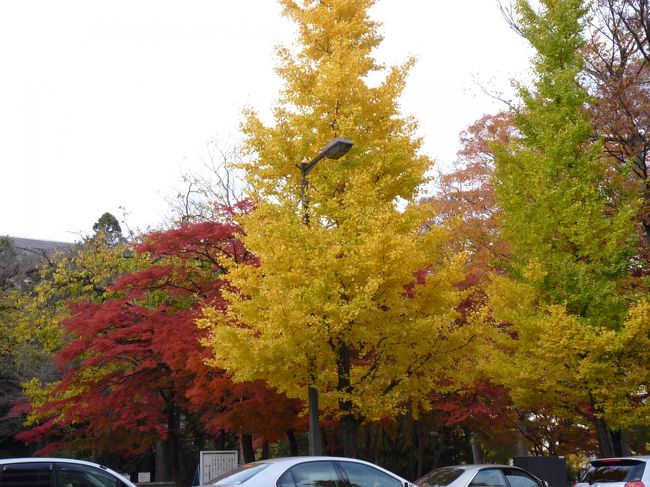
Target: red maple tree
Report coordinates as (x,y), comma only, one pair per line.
(135,366)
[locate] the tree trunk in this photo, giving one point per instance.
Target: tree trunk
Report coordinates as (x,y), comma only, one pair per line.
(350,427)
(328,442)
(220,442)
(162,465)
(395,454)
(371,443)
(293,443)
(521,448)
(349,419)
(609,443)
(605,443)
(478,455)
(437,451)
(626,451)
(180,475)
(421,439)
(617,442)
(247,447)
(265,450)
(175,460)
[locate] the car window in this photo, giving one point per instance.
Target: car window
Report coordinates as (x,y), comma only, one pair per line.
(490,477)
(360,475)
(440,477)
(75,475)
(26,475)
(240,474)
(517,478)
(614,471)
(310,474)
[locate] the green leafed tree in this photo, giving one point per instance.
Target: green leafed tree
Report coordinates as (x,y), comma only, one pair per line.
(109,228)
(31,319)
(84,271)
(354,294)
(567,296)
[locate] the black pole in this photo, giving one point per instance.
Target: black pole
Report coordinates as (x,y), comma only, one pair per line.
(314,428)
(312,393)
(334,150)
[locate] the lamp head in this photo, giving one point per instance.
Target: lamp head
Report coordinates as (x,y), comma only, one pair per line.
(337,148)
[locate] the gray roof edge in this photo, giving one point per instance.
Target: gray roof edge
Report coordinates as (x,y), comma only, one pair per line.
(36,244)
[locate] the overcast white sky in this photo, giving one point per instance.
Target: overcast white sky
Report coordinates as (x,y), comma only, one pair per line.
(106,104)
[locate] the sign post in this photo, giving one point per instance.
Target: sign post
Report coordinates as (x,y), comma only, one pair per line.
(217,462)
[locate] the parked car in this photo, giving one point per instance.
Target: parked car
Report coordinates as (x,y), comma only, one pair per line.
(57,472)
(480,476)
(310,472)
(617,472)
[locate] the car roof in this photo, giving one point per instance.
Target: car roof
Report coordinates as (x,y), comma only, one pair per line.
(479,466)
(302,459)
(475,467)
(631,457)
(286,462)
(4,461)
(306,457)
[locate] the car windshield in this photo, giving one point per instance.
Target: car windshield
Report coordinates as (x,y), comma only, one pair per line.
(439,477)
(614,471)
(239,475)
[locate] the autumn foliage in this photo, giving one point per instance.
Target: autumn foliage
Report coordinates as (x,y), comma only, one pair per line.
(511,306)
(135,364)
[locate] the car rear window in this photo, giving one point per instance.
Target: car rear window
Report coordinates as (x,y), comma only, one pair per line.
(239,475)
(614,471)
(439,477)
(29,474)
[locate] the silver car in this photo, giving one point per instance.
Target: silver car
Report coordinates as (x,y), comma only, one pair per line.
(480,476)
(617,472)
(58,472)
(310,472)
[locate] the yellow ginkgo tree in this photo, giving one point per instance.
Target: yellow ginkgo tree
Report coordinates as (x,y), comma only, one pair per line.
(354,293)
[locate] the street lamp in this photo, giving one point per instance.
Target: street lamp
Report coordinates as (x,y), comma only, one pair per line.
(335,149)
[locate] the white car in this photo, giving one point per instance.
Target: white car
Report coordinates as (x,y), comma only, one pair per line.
(310,472)
(617,472)
(480,476)
(57,472)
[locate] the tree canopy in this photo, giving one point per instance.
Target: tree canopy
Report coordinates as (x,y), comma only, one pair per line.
(565,296)
(497,309)
(359,303)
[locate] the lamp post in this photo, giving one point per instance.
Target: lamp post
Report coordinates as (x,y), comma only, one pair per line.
(335,149)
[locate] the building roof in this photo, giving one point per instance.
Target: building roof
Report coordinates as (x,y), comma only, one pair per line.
(37,245)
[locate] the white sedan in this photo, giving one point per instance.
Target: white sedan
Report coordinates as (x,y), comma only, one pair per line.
(310,472)
(58,472)
(480,476)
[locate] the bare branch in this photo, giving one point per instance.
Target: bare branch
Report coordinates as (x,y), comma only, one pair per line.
(509,15)
(219,184)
